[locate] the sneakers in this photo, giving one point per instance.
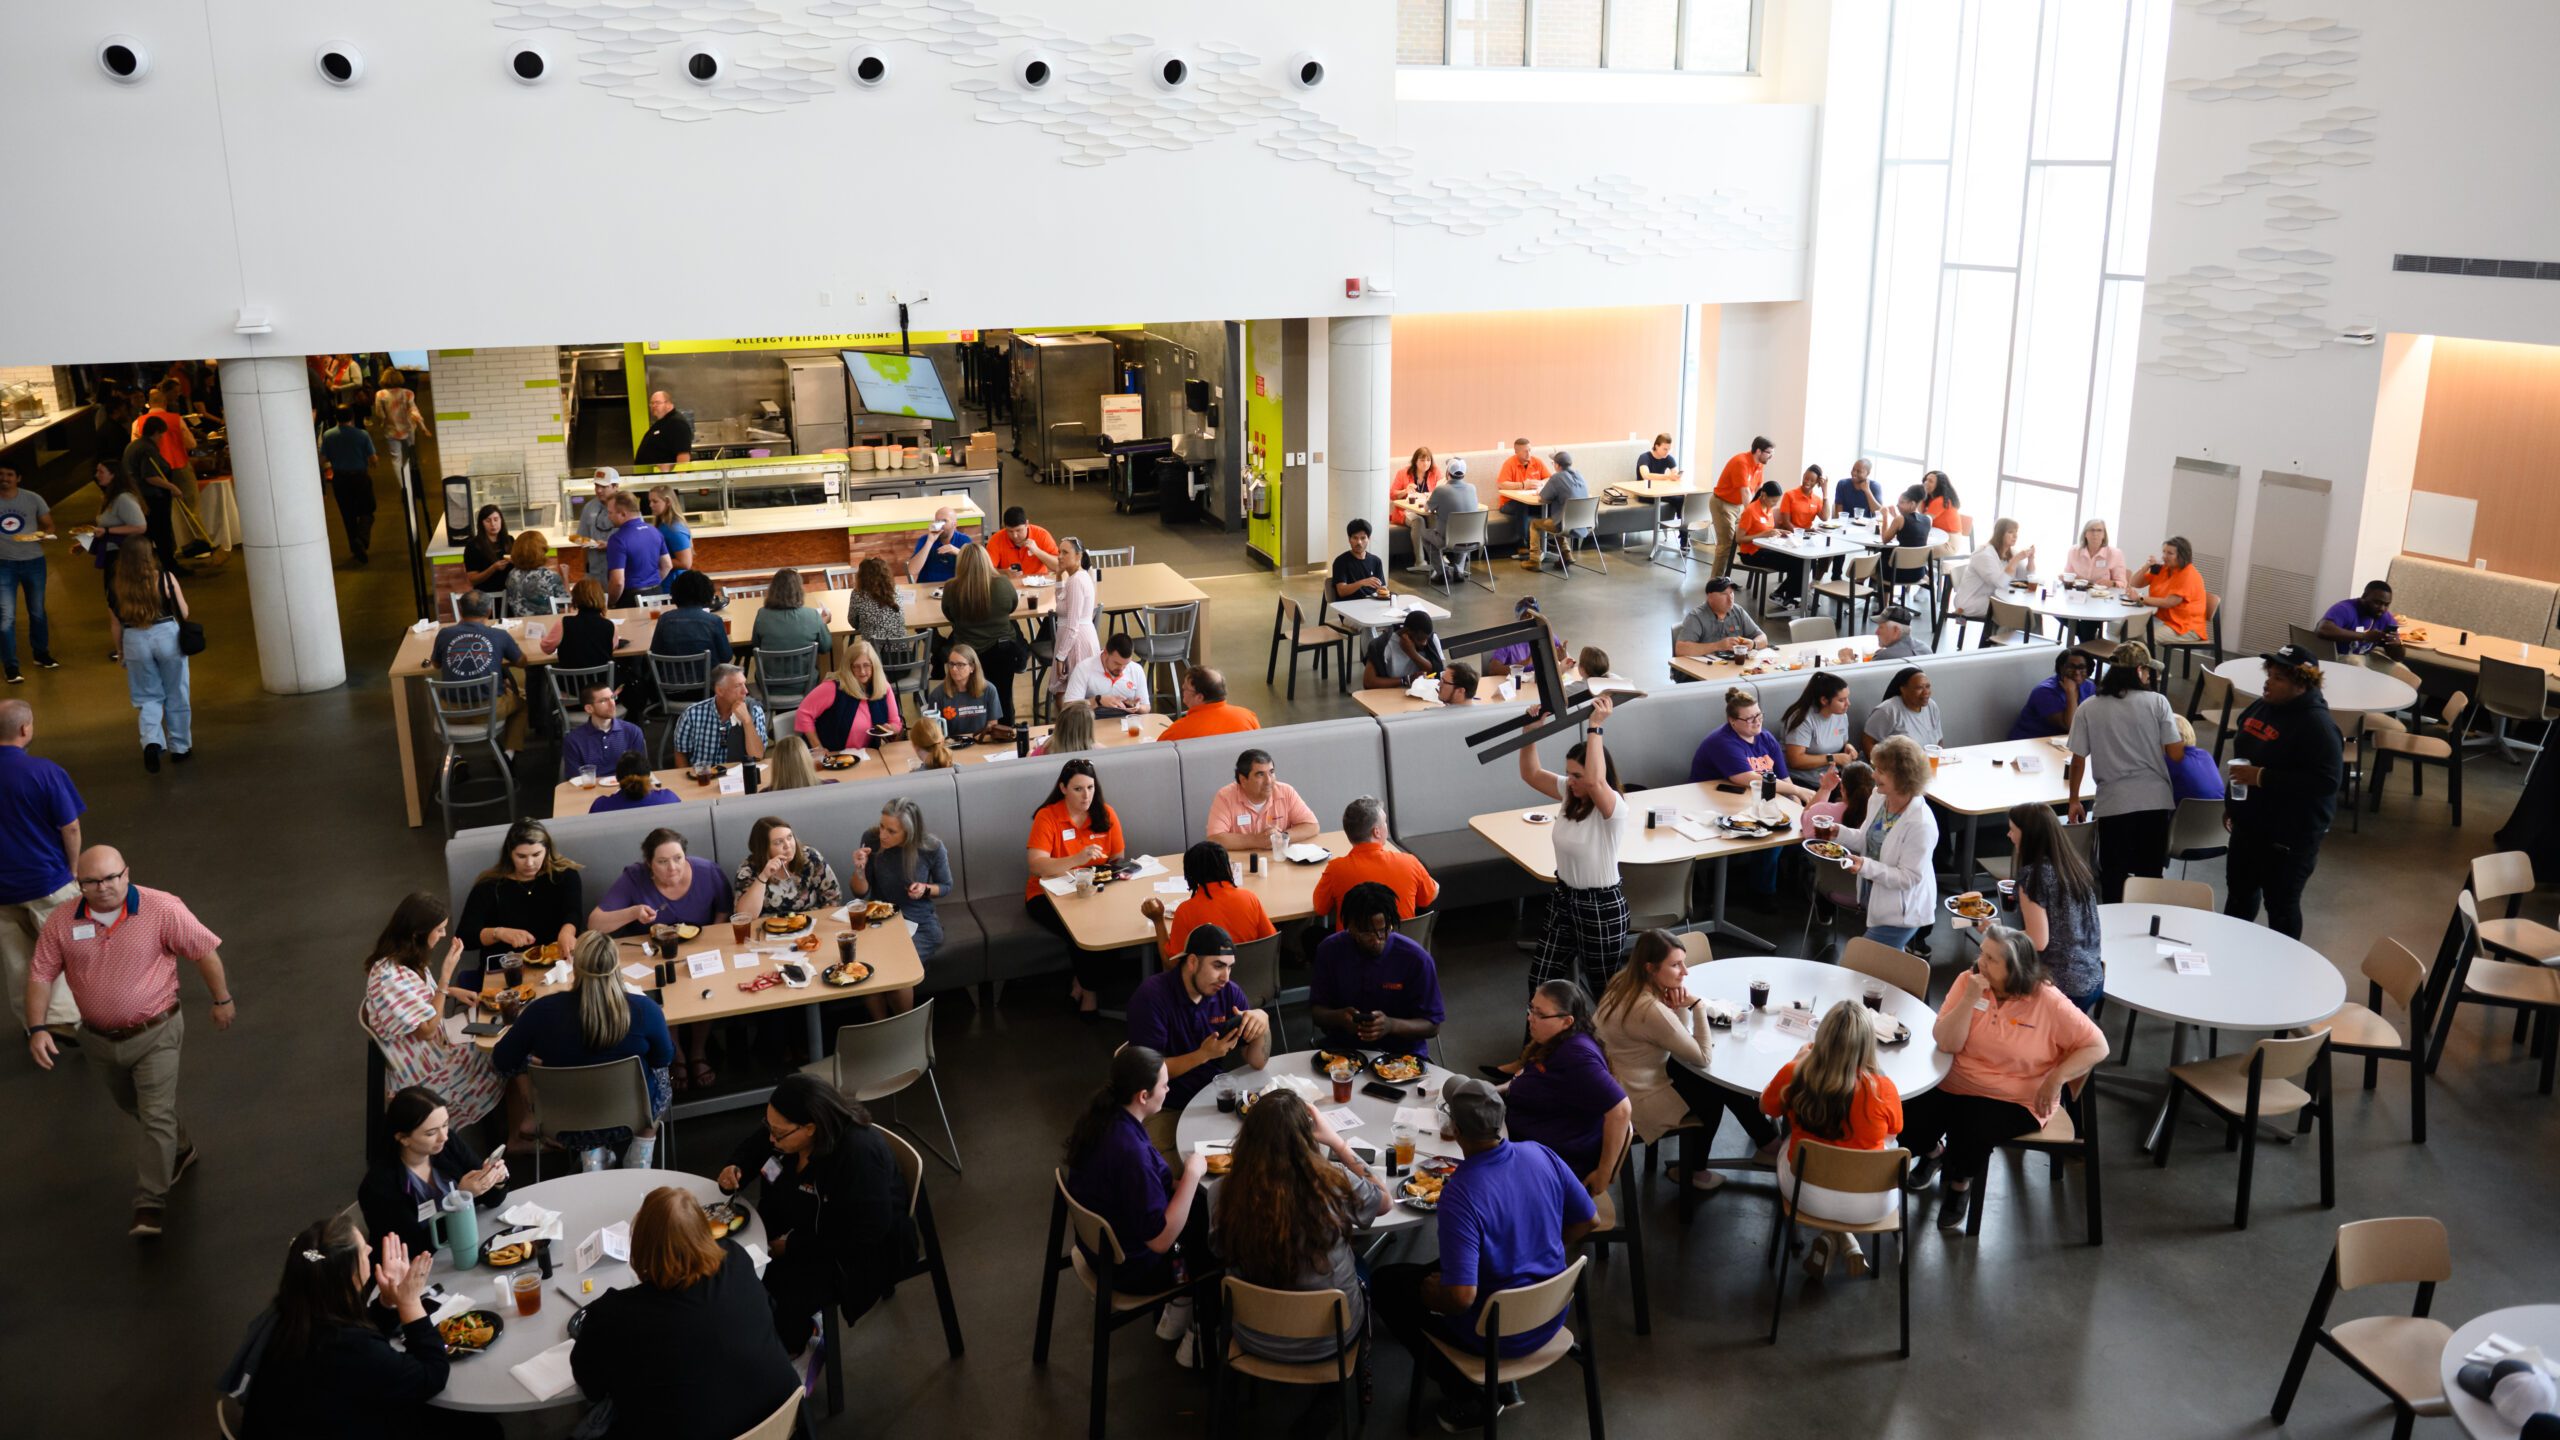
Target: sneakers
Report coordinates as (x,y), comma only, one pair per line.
(1460,1416)
(47,662)
(151,758)
(15,678)
(182,756)
(1923,1170)
(1853,1256)
(1187,1354)
(1706,1182)
(146,1223)
(1817,1256)
(1174,1320)
(1952,1204)
(186,1162)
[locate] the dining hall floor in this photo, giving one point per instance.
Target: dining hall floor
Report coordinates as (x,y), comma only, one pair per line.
(286,837)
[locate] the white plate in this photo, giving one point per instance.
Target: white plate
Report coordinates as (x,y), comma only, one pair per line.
(1825,859)
(1536,817)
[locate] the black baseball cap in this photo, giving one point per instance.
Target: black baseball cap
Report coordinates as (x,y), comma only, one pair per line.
(2294,656)
(1209,940)
(1719,584)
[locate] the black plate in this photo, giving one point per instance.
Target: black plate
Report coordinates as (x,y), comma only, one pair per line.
(497,1327)
(491,1246)
(732,1216)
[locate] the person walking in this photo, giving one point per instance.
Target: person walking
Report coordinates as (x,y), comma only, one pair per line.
(348,453)
(148,604)
(2127,737)
(396,413)
(23,517)
(149,477)
(2284,791)
(119,950)
(39,839)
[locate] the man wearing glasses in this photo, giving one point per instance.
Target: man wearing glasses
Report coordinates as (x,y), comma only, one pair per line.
(119,948)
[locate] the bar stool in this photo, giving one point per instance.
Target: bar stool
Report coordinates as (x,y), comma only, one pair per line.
(466,713)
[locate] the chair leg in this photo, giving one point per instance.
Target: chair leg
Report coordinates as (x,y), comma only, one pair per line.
(952,1159)
(2248,1163)
(1051,1263)
(2301,1361)
(1098,1406)
(1634,1226)
(2168,1127)
(834,1332)
(1786,1242)
(931,1236)
(1902,1269)
(2090,1170)
(2328,1143)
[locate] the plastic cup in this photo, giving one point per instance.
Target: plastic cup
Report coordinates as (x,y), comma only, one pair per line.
(526,1286)
(844,945)
(1341,1084)
(1935,754)
(1760,992)
(2008,894)
(1874,995)
(586,777)
(1404,1147)
(739,926)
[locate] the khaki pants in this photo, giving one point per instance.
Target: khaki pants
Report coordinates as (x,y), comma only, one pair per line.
(19,926)
(1728,520)
(141,1076)
(1537,529)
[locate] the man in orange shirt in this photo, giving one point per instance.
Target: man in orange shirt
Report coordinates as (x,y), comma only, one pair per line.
(2176,588)
(177,446)
(1021,548)
(1374,859)
(1736,484)
(1205,710)
(1523,471)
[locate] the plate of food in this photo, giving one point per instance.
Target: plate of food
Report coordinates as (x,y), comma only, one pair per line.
(1536,817)
(1831,850)
(1972,905)
(1421,1189)
(1889,1031)
(806,944)
(786,924)
(546,954)
(1397,1069)
(506,1252)
(470,1332)
(1323,1061)
(878,910)
(839,762)
(852,973)
(728,1217)
(1219,1156)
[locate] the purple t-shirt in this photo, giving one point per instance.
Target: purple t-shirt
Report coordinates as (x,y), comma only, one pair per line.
(612,800)
(586,745)
(1724,754)
(708,901)
(36,800)
(1559,1102)
(2196,776)
(1164,1018)
(1502,1219)
(1125,1181)
(2346,616)
(1401,984)
(634,548)
(2042,714)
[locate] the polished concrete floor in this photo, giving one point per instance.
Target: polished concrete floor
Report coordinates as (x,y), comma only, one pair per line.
(286,837)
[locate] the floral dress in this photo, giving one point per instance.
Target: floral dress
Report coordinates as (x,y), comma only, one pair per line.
(811,885)
(397,1000)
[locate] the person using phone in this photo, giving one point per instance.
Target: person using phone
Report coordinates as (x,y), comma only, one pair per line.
(1370,987)
(419,1163)
(1196,1016)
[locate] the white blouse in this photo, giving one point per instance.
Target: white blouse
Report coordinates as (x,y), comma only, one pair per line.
(1983,577)
(1587,849)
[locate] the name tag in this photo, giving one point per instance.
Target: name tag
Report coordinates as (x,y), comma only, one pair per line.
(426,1211)
(772,1169)
(84,932)
(1066,834)
(1982,1004)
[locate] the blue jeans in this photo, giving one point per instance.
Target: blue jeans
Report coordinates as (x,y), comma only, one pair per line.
(1892,936)
(2088,1004)
(157,675)
(14,576)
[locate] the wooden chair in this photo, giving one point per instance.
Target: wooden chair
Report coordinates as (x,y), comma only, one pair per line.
(2508,875)
(1898,968)
(2073,1131)
(2015,622)
(2432,743)
(2151,890)
(1696,946)
(1914,565)
(2255,1085)
(2165,642)
(1621,1222)
(2389,969)
(2309,639)
(1095,1255)
(1657,893)
(1851,1172)
(2399,1355)
(2533,990)
(1290,1315)
(1851,594)
(1517,1311)
(1288,627)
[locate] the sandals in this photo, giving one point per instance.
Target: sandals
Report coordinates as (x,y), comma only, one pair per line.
(704,1077)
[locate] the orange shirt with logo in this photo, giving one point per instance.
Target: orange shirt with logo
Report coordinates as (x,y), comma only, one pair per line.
(1055,835)
(1238,912)
(1754,521)
(1371,861)
(1741,479)
(1801,507)
(1212,717)
(1004,554)
(2187,616)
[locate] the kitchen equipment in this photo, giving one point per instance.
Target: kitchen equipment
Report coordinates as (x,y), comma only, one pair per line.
(820,418)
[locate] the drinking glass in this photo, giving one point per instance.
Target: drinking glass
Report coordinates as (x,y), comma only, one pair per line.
(586,777)
(739,924)
(1759,992)
(526,1286)
(1341,1084)
(1404,1147)
(1874,995)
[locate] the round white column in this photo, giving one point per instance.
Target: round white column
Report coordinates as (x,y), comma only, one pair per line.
(1359,377)
(284,524)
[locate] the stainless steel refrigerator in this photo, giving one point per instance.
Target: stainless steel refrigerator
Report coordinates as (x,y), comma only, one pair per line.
(818,410)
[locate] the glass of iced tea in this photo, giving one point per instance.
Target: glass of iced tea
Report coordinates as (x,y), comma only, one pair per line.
(740,925)
(526,1286)
(1342,1084)
(1404,1147)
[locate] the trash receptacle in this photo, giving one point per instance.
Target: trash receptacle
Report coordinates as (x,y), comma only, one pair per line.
(1175,504)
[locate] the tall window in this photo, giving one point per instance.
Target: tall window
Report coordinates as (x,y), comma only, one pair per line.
(1716,37)
(2012,217)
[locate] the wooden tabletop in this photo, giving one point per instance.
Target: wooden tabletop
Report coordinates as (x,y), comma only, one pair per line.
(1666,489)
(1985,779)
(1110,920)
(1795,656)
(1121,587)
(2445,642)
(1532,846)
(569,798)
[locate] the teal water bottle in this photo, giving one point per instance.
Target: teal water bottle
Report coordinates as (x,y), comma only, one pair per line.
(462,1229)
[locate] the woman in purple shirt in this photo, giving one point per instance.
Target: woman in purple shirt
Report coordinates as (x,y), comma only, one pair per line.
(1742,751)
(1116,1172)
(2052,704)
(1561,1093)
(669,887)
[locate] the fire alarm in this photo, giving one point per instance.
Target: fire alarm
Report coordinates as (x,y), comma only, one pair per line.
(1351,288)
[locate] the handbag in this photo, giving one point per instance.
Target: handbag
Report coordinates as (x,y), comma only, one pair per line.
(190,634)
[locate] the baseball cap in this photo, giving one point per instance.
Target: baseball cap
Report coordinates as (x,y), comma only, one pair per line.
(1524,604)
(1209,940)
(2294,656)
(607,475)
(1456,468)
(1719,584)
(1476,1107)
(1564,458)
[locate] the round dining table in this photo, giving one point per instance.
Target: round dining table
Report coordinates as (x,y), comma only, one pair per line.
(1203,1122)
(1750,1054)
(2347,688)
(587,1202)
(2529,1325)
(2063,603)
(2255,979)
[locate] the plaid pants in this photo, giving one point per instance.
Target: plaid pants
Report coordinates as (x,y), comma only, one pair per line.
(1586,932)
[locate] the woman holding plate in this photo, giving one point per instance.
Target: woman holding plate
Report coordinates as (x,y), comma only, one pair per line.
(1890,853)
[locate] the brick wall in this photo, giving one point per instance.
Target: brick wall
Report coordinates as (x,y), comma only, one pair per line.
(1421,31)
(501,406)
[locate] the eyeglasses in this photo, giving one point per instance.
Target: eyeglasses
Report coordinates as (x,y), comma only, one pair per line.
(94,881)
(1536,1014)
(785,1133)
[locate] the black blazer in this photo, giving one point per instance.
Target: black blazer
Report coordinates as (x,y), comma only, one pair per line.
(390,1210)
(855,1201)
(685,1364)
(351,1385)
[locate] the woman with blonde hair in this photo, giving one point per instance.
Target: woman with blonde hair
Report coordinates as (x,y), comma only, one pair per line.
(1834,1092)
(667,513)
(397,415)
(2095,559)
(789,766)
(1655,1037)
(534,587)
(979,603)
(853,708)
(1890,853)
(1073,732)
(1076,641)
(933,750)
(596,1022)
(148,603)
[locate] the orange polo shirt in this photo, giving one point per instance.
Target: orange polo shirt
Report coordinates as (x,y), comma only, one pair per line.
(1212,717)
(173,437)
(1238,912)
(1740,480)
(1519,474)
(1801,507)
(1054,836)
(2187,616)
(1004,554)
(1943,516)
(1371,861)
(1875,1115)
(1754,521)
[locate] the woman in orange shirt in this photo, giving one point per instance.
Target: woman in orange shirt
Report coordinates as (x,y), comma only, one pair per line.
(1938,501)
(1804,504)
(2174,586)
(1215,900)
(1756,522)
(1416,479)
(1833,1092)
(1073,828)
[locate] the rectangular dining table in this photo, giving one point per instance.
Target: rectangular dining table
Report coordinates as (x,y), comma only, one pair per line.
(1531,844)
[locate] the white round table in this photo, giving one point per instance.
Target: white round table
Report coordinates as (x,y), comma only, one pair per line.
(2526,1324)
(1750,1055)
(1203,1120)
(2347,688)
(587,1203)
(2256,979)
(2063,603)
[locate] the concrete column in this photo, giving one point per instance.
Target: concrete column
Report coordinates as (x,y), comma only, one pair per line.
(1359,376)
(275,475)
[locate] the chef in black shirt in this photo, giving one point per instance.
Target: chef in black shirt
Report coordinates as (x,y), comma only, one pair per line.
(669,440)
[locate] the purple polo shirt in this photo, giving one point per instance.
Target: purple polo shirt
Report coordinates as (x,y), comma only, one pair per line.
(1127,1182)
(36,800)
(1502,1219)
(586,745)
(1725,754)
(634,548)
(1401,984)
(2042,714)
(1164,1018)
(2346,616)
(706,903)
(1558,1102)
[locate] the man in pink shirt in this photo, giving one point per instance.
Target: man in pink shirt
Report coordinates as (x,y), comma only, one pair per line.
(119,948)
(1243,815)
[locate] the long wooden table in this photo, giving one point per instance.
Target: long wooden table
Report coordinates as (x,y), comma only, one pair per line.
(1109,919)
(1118,590)
(2445,645)
(1531,846)
(1488,691)
(1795,656)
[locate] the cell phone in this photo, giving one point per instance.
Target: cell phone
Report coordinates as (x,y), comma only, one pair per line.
(1730,788)
(1232,1024)
(1367,1152)
(483,1027)
(1381,1090)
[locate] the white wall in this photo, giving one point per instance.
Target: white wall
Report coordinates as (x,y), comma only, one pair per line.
(2292,206)
(439,203)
